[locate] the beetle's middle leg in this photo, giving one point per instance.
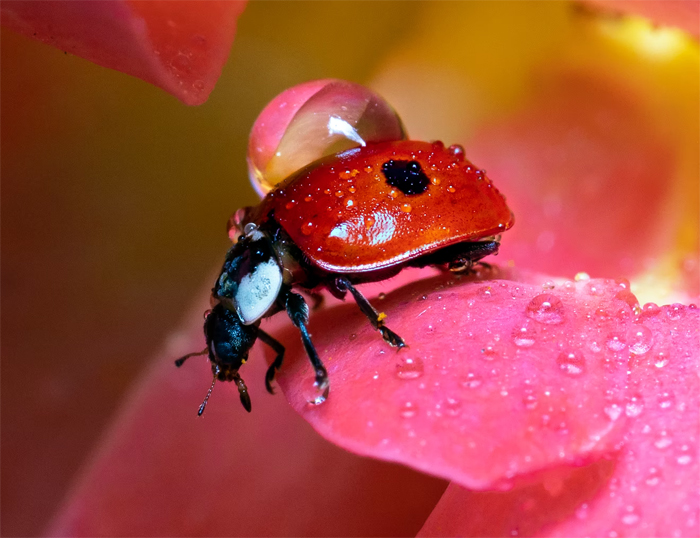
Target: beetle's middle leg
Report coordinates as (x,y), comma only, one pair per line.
(298,312)
(375,318)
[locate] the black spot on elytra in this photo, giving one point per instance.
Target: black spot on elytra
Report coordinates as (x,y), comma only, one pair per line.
(407,176)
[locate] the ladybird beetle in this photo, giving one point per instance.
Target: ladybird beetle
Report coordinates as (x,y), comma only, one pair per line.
(360,215)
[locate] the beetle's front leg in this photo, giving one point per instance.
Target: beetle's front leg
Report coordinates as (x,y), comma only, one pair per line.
(298,312)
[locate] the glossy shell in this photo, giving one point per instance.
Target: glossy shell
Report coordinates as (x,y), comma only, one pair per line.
(346,217)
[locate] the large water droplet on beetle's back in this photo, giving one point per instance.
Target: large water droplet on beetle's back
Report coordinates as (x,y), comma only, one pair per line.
(313,120)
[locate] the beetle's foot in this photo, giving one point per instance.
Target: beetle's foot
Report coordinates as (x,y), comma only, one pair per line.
(322,382)
(269,378)
(391,338)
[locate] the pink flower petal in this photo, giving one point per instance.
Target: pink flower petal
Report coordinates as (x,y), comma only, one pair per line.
(180,46)
(501,379)
(587,173)
(683,14)
(162,471)
(649,489)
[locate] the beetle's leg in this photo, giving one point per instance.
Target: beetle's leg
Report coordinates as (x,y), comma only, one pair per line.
(298,312)
(277,363)
(242,391)
(375,318)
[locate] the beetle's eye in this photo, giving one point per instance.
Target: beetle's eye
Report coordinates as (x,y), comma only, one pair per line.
(313,120)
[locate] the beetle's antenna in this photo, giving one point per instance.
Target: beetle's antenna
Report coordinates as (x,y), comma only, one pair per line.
(179,362)
(206,398)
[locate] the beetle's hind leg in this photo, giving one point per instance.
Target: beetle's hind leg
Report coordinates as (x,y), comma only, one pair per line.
(375,318)
(298,312)
(277,363)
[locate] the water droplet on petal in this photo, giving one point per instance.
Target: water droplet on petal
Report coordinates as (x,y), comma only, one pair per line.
(572,363)
(408,410)
(661,359)
(524,334)
(675,311)
(634,406)
(666,400)
(313,394)
(471,381)
(663,442)
(613,411)
(639,339)
(546,308)
(653,478)
(630,516)
(616,342)
(685,459)
(409,368)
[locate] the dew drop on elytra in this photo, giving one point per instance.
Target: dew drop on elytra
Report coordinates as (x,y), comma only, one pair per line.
(409,368)
(546,308)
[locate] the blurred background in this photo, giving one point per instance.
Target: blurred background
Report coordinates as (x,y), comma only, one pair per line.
(115,196)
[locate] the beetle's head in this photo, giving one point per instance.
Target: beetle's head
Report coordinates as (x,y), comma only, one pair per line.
(228,344)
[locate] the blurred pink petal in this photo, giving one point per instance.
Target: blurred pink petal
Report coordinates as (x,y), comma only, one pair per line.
(162,471)
(501,379)
(683,14)
(587,174)
(649,489)
(179,46)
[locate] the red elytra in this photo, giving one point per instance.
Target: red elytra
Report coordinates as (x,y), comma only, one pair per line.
(346,218)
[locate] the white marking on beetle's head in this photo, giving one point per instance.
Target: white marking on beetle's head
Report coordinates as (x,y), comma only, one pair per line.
(258,291)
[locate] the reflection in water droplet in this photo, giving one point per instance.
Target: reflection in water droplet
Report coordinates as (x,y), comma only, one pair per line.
(640,339)
(409,368)
(546,308)
(572,363)
(313,394)
(408,410)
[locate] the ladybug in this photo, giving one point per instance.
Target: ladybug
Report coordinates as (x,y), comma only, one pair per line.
(358,216)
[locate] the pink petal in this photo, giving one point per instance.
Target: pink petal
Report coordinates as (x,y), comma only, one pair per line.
(180,46)
(495,385)
(649,489)
(162,471)
(683,14)
(587,172)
